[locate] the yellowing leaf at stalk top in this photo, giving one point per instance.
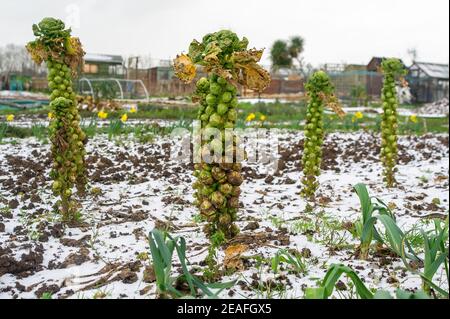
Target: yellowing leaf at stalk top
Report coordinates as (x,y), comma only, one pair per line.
(224,54)
(184,68)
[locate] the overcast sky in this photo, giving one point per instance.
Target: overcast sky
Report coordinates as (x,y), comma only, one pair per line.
(349,31)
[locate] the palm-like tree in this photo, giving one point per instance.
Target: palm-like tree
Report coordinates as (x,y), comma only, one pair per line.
(283,54)
(280,55)
(296,47)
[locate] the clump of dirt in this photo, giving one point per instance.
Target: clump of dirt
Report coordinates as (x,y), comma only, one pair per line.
(174,200)
(75,243)
(149,275)
(128,277)
(27,265)
(13,204)
(30,173)
(75,259)
(260,239)
(45,289)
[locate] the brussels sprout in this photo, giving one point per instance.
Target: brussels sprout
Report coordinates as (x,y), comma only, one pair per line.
(206,191)
(218,174)
(222,109)
(232,115)
(203,84)
(234,102)
(229,125)
(222,81)
(227,97)
(206,205)
(215,120)
(236,191)
(225,220)
(211,99)
(235,178)
(215,89)
(218,199)
(56,186)
(231,88)
(234,230)
(226,189)
(233,202)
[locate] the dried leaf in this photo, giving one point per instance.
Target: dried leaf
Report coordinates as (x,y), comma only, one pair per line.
(54,43)
(333,103)
(75,54)
(233,258)
(252,75)
(255,78)
(223,54)
(249,56)
(392,206)
(37,52)
(184,68)
(220,71)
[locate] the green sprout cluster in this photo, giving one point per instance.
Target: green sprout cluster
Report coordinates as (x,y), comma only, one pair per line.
(321,93)
(392,68)
(218,184)
(63,55)
(228,62)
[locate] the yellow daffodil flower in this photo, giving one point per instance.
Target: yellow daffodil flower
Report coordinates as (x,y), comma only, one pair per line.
(10,118)
(262,118)
(413,118)
(251,117)
(102,115)
(133,110)
(359,115)
(50,116)
(124,118)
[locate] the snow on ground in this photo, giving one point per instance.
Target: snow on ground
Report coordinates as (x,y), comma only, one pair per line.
(433,110)
(439,107)
(22,95)
(368,111)
(142,188)
(42,120)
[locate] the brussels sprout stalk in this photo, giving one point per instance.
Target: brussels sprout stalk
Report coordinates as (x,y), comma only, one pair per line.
(392,68)
(228,62)
(321,94)
(63,54)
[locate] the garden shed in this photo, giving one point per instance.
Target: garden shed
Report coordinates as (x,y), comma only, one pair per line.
(428,81)
(103,65)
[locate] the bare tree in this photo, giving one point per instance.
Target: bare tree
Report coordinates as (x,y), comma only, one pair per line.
(15,58)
